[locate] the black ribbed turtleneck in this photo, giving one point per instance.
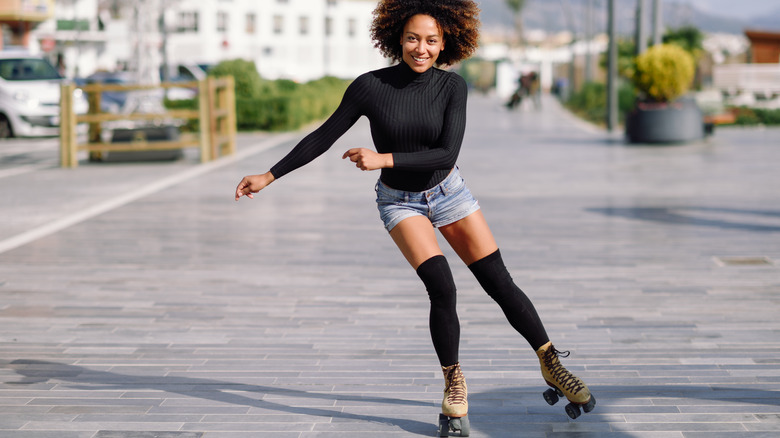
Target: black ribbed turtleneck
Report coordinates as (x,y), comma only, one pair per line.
(418,117)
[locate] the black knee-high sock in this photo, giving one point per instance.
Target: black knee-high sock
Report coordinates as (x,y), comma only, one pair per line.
(493,276)
(443,320)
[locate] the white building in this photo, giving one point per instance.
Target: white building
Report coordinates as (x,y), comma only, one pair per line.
(74,36)
(294,39)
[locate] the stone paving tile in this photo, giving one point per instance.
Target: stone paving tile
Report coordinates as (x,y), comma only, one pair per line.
(184,314)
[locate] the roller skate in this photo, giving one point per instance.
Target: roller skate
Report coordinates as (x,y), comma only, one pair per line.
(454,407)
(563,383)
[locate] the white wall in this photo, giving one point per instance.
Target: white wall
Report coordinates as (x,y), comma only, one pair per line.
(289,54)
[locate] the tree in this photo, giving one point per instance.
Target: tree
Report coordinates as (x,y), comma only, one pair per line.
(517,11)
(688,37)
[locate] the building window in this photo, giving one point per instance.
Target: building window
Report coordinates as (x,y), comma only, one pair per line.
(328,26)
(352,27)
(304,25)
(222,21)
(250,23)
(278,24)
(187,22)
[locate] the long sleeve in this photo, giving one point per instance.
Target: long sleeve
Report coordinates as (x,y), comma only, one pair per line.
(321,139)
(420,118)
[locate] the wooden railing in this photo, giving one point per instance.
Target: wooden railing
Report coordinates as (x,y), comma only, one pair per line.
(26,10)
(216,116)
(733,79)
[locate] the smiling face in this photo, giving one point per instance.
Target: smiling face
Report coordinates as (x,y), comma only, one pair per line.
(422,40)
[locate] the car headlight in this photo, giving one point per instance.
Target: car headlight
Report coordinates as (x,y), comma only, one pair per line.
(25,99)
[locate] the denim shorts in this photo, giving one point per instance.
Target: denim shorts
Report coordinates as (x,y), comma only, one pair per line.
(448,202)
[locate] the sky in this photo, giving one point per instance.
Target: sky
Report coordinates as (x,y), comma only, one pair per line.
(734,8)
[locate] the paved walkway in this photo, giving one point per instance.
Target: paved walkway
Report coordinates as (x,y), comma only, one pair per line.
(140,300)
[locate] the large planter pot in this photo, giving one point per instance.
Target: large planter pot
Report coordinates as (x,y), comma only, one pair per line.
(665,122)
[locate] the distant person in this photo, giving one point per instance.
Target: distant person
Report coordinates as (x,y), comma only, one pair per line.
(417,114)
(517,97)
(61,65)
(535,89)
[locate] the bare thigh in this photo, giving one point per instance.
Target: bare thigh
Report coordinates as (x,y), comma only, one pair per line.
(470,237)
(416,238)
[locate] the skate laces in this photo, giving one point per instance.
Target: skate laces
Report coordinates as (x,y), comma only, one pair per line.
(568,381)
(455,386)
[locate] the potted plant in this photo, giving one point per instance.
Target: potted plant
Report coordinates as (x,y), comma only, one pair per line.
(662,75)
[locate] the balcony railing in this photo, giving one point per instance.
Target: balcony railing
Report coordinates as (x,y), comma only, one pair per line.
(759,79)
(26,10)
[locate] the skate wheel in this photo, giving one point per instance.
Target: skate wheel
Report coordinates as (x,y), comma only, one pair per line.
(460,426)
(550,396)
(444,425)
(573,411)
(587,407)
(457,425)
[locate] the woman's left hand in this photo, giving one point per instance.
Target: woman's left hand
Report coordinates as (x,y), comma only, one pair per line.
(366,159)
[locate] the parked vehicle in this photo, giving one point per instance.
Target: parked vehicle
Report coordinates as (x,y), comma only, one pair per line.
(30,96)
(130,101)
(186,72)
(110,101)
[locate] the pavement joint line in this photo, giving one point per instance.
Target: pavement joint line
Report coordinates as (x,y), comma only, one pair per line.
(149,189)
(21,170)
(590,128)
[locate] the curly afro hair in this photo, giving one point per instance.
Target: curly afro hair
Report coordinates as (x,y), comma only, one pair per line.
(458,20)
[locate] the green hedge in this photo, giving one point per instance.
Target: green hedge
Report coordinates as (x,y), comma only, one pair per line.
(191,125)
(289,106)
(756,116)
(590,102)
(279,105)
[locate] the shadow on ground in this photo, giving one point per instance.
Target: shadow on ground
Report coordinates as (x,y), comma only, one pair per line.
(36,371)
(739,219)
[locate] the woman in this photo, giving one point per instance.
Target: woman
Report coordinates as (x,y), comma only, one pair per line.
(417,114)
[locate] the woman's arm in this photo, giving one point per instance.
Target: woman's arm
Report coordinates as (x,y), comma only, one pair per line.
(319,141)
(366,159)
(253,184)
(313,145)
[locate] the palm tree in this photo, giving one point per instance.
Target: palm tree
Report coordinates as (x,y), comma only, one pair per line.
(517,9)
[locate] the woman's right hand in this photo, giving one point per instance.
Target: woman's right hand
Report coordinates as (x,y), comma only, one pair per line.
(253,184)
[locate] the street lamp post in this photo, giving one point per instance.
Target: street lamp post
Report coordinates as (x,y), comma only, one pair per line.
(612,107)
(657,22)
(641,30)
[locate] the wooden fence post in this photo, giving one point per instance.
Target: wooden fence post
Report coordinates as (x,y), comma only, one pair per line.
(204,120)
(68,139)
(211,85)
(94,98)
(230,118)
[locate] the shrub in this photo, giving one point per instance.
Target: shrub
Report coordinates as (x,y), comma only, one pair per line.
(276,105)
(756,116)
(247,79)
(288,105)
(191,125)
(590,102)
(664,72)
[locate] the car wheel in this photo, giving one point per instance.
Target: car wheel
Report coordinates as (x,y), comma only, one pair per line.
(5,127)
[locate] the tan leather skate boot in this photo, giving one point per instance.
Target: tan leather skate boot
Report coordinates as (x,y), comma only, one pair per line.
(455,392)
(563,382)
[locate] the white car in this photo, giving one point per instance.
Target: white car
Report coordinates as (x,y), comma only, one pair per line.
(30,96)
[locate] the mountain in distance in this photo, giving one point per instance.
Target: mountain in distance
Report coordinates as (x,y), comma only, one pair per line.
(560,15)
(769,22)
